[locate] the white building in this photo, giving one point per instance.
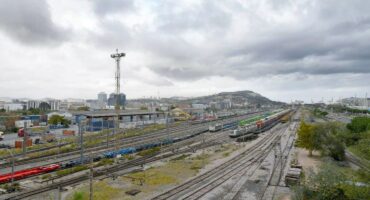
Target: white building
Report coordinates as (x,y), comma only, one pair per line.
(13,106)
(199,106)
(54,104)
(33,104)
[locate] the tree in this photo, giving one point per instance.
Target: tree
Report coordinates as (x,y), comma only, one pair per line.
(2,110)
(9,124)
(308,137)
(359,124)
(57,119)
(143,108)
(83,108)
(323,185)
(330,145)
(34,111)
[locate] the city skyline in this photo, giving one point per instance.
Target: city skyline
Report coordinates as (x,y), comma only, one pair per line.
(284,51)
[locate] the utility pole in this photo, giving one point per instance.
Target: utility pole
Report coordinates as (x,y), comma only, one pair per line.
(81,141)
(11,154)
(91,177)
(167,121)
(117,57)
(24,146)
(107,132)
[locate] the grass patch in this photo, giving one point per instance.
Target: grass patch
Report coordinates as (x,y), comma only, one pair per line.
(226,154)
(104,162)
(129,157)
(101,191)
(149,151)
(182,157)
(72,170)
(152,177)
(46,176)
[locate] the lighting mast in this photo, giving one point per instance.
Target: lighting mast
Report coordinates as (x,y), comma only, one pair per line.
(117,57)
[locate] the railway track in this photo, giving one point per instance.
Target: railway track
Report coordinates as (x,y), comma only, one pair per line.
(182,126)
(168,152)
(356,161)
(281,160)
(124,142)
(202,184)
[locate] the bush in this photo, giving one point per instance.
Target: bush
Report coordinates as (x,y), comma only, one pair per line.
(149,151)
(359,124)
(78,196)
(72,170)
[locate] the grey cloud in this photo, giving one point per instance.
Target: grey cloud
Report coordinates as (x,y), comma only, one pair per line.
(104,7)
(182,74)
(114,35)
(30,22)
(208,16)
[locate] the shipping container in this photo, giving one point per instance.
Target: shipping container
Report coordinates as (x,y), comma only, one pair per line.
(68,132)
(19,143)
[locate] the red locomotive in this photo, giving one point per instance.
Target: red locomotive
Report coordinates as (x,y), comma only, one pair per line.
(28,172)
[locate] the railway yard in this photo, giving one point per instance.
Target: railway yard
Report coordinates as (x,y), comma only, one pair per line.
(219,166)
(247,156)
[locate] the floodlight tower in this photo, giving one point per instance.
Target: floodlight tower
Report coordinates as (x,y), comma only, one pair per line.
(117,56)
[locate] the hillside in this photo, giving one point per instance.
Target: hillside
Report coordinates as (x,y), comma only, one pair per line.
(238,97)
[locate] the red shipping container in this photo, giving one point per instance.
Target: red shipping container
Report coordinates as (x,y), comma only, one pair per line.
(68,132)
(19,143)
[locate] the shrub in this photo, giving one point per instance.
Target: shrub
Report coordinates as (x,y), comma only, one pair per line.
(149,151)
(359,124)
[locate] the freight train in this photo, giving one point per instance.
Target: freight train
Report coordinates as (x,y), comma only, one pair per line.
(28,172)
(260,125)
(18,175)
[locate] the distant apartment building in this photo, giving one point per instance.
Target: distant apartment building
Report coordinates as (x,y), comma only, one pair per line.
(112,99)
(199,106)
(94,104)
(102,101)
(2,104)
(102,97)
(13,106)
(33,104)
(54,104)
(63,106)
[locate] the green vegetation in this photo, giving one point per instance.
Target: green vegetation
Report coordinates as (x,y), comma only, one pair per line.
(359,124)
(342,109)
(308,137)
(83,108)
(182,157)
(329,183)
(101,191)
(57,119)
(333,181)
(357,138)
(319,113)
(72,170)
(11,187)
(46,176)
(322,137)
(149,151)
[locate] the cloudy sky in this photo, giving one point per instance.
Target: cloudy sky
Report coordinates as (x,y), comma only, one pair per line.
(282,49)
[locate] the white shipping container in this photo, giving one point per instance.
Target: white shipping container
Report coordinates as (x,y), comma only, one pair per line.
(20,123)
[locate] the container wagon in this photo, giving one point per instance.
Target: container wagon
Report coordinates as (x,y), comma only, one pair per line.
(215,127)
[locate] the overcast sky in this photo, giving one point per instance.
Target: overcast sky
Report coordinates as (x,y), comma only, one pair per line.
(282,49)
